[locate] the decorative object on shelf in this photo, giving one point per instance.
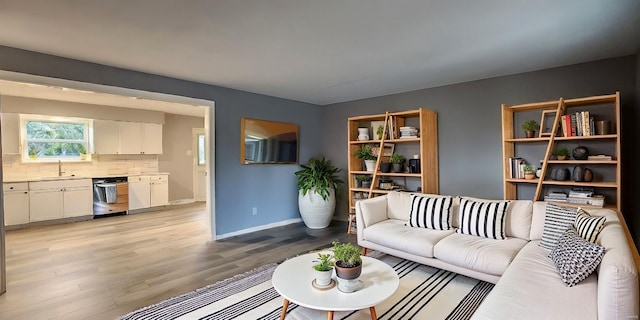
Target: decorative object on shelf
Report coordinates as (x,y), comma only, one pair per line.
(588,175)
(379,131)
(366,181)
(366,154)
(580,153)
(561,153)
(539,172)
(414,165)
(387,150)
(363,134)
(358,180)
(348,264)
(578,174)
(603,127)
(324,269)
(559,174)
(386,184)
(546,122)
(385,167)
(530,127)
(317,184)
(398,162)
(528,172)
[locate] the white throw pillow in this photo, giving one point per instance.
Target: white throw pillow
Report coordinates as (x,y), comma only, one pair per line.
(430,212)
(557,220)
(483,219)
(588,227)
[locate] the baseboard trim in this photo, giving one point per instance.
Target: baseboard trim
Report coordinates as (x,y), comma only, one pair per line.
(181,201)
(258,228)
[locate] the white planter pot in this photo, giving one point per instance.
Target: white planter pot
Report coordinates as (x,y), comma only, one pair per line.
(370,164)
(323,278)
(315,211)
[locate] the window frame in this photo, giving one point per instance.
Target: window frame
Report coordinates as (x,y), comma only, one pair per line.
(86,141)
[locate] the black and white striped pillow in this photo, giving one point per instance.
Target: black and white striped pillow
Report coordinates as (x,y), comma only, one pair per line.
(557,220)
(430,212)
(588,227)
(483,219)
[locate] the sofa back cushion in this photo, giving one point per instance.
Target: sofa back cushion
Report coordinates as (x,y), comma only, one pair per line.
(399,204)
(517,217)
(430,212)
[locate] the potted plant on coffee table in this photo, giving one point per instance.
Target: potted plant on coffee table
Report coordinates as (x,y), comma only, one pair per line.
(398,161)
(366,154)
(317,183)
(530,127)
(348,264)
(323,269)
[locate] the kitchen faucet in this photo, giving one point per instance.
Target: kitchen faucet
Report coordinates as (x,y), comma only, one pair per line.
(60,172)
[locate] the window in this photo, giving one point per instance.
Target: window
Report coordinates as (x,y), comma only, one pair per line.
(53,138)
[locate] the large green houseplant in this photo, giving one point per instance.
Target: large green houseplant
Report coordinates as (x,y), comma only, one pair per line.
(318,183)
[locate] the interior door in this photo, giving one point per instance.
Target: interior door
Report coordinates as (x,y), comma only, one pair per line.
(199,165)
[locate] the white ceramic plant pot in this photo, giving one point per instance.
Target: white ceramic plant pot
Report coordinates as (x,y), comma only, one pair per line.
(315,211)
(370,164)
(323,278)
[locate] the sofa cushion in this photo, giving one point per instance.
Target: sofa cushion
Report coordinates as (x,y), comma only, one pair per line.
(375,208)
(398,205)
(430,212)
(575,258)
(557,219)
(393,233)
(517,218)
(483,219)
(588,227)
(532,289)
(537,220)
(480,254)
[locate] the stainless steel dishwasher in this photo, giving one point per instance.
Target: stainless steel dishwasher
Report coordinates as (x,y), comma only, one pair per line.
(110,196)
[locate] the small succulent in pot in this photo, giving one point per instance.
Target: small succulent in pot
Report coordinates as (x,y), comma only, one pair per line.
(323,269)
(530,127)
(528,172)
(561,153)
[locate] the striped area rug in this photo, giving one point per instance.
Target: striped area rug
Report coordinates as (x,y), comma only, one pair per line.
(424,293)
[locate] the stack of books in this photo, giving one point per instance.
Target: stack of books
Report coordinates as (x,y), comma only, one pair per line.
(600,157)
(585,196)
(556,196)
(408,132)
(516,167)
(578,124)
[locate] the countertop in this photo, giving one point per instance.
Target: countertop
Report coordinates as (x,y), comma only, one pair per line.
(9,180)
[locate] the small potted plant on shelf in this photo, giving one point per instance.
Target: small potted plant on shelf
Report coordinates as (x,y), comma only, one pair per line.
(324,269)
(561,153)
(366,181)
(360,180)
(530,127)
(379,132)
(528,172)
(366,154)
(398,161)
(348,264)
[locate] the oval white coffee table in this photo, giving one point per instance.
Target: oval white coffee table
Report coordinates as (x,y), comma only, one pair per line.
(292,280)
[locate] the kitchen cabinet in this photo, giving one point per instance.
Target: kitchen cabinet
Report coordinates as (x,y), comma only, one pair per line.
(106,137)
(148,191)
(16,203)
(10,133)
(58,199)
(140,138)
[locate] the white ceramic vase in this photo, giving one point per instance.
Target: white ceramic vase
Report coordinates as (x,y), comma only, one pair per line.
(315,211)
(363,134)
(323,278)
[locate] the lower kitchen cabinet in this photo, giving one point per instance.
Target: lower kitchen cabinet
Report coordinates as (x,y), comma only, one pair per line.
(148,191)
(16,203)
(58,199)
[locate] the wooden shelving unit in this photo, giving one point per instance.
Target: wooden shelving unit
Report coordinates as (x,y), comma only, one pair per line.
(606,106)
(426,146)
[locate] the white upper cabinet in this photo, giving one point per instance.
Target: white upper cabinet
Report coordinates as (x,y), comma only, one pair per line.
(106,137)
(10,133)
(140,138)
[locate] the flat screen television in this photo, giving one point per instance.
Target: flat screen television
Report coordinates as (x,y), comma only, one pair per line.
(268,142)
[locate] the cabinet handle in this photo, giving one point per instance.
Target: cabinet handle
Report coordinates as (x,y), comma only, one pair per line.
(11,188)
(26,192)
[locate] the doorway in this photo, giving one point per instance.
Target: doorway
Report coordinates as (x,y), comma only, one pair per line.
(199,164)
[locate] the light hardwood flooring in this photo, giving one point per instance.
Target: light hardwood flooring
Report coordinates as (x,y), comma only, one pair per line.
(103,268)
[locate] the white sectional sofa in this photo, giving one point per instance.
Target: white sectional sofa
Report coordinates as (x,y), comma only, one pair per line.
(528,285)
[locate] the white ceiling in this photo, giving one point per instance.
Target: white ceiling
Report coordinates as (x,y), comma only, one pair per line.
(325,51)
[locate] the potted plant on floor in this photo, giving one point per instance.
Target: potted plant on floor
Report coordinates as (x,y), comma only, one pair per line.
(398,161)
(561,153)
(323,269)
(528,172)
(530,127)
(348,264)
(366,154)
(317,183)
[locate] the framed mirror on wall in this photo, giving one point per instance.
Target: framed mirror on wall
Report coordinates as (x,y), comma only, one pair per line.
(268,142)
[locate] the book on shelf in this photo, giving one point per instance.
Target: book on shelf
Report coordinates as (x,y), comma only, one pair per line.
(573,125)
(581,192)
(578,124)
(516,167)
(595,200)
(600,157)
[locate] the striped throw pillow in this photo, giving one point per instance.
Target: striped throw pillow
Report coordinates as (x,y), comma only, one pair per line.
(557,220)
(588,227)
(430,212)
(483,219)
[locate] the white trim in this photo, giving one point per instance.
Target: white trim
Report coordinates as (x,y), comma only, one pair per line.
(181,201)
(259,228)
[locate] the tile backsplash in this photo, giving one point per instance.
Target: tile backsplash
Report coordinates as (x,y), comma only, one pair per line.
(100,165)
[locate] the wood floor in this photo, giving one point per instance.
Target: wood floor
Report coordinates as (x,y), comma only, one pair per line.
(104,268)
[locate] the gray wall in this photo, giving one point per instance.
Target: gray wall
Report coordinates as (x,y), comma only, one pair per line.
(469,121)
(176,142)
(270,188)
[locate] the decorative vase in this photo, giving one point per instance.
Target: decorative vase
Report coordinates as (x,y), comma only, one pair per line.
(539,173)
(316,212)
(578,174)
(323,278)
(363,134)
(562,174)
(370,165)
(580,153)
(588,175)
(385,167)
